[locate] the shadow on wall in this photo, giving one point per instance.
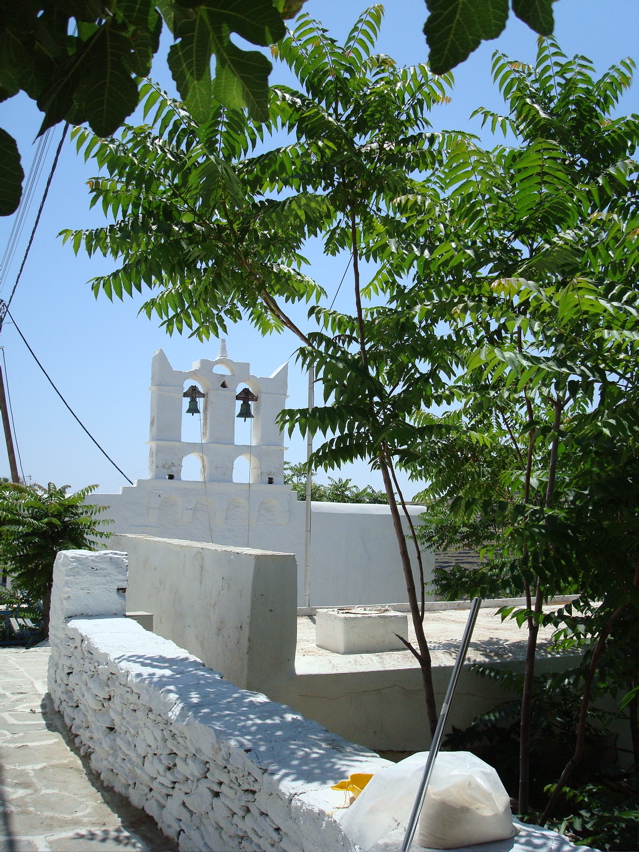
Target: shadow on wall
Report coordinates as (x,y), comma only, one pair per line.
(272,733)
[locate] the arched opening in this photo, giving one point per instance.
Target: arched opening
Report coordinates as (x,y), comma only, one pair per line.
(241,469)
(244,428)
(193,468)
(192,424)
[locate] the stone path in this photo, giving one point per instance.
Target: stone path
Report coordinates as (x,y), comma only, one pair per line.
(50,800)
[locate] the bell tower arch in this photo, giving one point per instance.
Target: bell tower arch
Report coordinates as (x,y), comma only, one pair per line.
(219,380)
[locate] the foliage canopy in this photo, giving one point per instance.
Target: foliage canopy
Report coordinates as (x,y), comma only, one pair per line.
(82,60)
(37,522)
(216,227)
(496,285)
(336,491)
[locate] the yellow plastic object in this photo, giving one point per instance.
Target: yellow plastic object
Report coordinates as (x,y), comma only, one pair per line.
(354,784)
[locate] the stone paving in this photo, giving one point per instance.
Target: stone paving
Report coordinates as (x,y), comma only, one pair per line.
(50,800)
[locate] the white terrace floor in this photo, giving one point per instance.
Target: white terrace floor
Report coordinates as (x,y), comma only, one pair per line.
(493,640)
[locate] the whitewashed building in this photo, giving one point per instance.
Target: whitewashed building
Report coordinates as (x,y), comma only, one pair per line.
(353,554)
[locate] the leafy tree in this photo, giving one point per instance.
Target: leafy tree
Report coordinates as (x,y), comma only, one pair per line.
(81,60)
(337,491)
(538,266)
(218,231)
(35,524)
(502,286)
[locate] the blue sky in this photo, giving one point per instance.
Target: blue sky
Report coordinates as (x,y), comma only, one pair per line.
(99,353)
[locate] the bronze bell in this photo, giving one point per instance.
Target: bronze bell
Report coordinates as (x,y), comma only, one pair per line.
(246,397)
(193,394)
(245,410)
(193,407)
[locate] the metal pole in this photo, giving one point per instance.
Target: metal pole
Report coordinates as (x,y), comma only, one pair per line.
(309,483)
(441,724)
(15,476)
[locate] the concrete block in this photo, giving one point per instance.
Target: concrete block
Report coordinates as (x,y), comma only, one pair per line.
(360,630)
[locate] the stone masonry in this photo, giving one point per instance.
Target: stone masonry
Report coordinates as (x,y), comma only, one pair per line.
(217,767)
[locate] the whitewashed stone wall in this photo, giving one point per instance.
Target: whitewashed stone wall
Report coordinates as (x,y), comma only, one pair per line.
(217,767)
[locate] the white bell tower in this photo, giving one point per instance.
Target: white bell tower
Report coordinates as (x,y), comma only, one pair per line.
(219,380)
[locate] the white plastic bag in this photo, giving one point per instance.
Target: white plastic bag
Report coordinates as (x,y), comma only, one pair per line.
(466,803)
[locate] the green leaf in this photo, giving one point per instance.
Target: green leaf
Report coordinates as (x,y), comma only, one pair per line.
(190,64)
(56,101)
(137,13)
(241,79)
(15,62)
(455,28)
(537,14)
(109,94)
(11,174)
(289,8)
(258,21)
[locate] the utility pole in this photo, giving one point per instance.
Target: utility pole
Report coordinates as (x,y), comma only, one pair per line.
(15,477)
(309,487)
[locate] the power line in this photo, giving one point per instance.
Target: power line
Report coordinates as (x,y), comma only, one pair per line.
(10,249)
(30,184)
(37,221)
(50,380)
(342,281)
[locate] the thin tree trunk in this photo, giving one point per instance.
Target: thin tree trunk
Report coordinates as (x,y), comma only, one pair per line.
(413,534)
(526,703)
(577,756)
(423,655)
(422,652)
(533,622)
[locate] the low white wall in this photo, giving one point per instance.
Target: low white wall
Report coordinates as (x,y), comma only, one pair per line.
(217,767)
(354,554)
(232,607)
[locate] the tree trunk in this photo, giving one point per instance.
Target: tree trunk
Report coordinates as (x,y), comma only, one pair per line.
(423,655)
(533,621)
(526,705)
